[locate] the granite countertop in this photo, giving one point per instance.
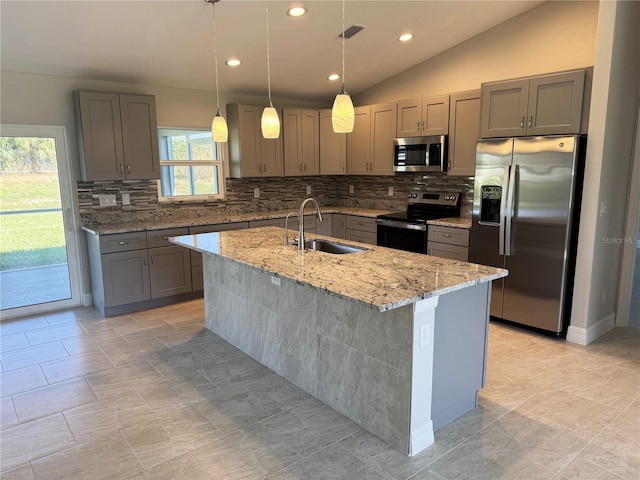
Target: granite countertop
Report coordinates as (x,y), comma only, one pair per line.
(219,218)
(381,277)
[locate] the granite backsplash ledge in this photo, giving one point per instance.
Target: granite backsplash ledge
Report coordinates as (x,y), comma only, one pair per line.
(276,194)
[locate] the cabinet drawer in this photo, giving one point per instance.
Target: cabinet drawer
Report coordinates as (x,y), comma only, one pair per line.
(444,250)
(218,227)
(122,242)
(360,236)
(158,238)
(450,235)
(270,222)
(362,224)
(309,222)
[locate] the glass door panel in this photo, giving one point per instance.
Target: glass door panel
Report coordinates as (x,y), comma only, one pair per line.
(35,267)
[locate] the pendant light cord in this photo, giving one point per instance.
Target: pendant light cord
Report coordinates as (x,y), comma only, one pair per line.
(266,4)
(343,35)
(215,54)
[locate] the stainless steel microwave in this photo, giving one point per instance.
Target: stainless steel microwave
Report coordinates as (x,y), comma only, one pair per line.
(420,154)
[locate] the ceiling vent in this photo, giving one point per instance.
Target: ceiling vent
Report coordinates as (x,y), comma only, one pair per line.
(351,31)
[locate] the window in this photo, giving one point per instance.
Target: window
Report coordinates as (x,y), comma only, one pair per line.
(191,166)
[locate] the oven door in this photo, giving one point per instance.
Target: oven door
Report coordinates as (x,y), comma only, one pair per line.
(402,235)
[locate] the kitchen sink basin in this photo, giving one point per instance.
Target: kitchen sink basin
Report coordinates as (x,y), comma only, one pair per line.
(331,247)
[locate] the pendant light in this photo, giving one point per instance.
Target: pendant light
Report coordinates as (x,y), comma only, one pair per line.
(270,123)
(219,125)
(342,114)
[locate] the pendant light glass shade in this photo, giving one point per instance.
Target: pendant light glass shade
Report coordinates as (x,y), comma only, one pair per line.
(270,123)
(342,114)
(219,128)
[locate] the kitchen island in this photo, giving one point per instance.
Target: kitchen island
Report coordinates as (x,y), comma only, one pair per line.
(395,341)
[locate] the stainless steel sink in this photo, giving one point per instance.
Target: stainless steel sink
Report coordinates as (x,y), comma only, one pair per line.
(331,247)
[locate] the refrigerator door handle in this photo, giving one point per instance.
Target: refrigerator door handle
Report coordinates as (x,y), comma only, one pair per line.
(503,209)
(509,213)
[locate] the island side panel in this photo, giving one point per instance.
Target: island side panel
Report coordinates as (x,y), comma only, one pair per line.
(460,352)
(355,359)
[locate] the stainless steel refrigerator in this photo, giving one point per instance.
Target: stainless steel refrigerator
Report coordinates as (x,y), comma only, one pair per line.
(526,202)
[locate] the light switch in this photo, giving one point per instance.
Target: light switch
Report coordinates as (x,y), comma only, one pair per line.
(126,200)
(308,189)
(256,192)
(350,188)
(107,200)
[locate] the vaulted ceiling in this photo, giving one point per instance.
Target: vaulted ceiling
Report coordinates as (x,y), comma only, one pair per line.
(171,43)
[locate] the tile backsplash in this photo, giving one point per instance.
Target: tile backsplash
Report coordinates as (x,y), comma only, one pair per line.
(276,193)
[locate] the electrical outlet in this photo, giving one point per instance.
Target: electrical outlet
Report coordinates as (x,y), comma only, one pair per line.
(256,192)
(390,192)
(308,189)
(126,200)
(276,280)
(350,188)
(107,200)
(425,335)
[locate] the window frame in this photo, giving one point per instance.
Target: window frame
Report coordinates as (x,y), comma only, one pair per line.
(219,162)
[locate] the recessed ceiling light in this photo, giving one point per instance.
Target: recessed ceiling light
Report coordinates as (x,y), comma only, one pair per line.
(296,11)
(233,62)
(333,77)
(405,37)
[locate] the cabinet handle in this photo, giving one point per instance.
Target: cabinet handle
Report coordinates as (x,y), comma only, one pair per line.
(447,235)
(522,122)
(418,125)
(121,169)
(144,260)
(128,168)
(530,121)
(305,167)
(423,125)
(123,242)
(151,259)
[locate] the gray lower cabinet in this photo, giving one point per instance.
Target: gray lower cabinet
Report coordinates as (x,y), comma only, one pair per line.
(448,242)
(338,225)
(197,274)
(128,275)
(361,229)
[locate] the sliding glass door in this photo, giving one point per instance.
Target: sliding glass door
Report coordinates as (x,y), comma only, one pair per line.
(38,254)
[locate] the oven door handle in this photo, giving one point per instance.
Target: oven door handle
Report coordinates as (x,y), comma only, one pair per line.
(403,225)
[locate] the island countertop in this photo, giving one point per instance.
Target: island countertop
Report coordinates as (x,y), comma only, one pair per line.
(381,277)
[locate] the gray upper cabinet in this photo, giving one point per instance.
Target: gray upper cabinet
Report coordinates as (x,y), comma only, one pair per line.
(333,147)
(542,105)
(423,117)
(251,155)
(464,131)
(118,135)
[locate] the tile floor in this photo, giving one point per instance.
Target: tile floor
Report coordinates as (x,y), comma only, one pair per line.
(153,395)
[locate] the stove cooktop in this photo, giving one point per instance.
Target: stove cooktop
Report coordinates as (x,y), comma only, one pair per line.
(424,206)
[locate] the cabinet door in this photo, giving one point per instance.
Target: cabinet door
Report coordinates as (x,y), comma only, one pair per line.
(464,131)
(126,277)
(555,103)
(444,250)
(245,137)
(435,115)
(504,108)
(272,162)
(338,225)
(383,129)
(292,136)
(325,227)
(100,134)
(310,135)
(358,142)
(140,137)
(333,147)
(409,118)
(169,271)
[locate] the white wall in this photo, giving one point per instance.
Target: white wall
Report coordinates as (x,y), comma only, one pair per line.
(616,86)
(554,36)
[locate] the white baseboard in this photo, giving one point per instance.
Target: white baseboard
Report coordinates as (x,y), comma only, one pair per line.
(584,336)
(421,439)
(87,299)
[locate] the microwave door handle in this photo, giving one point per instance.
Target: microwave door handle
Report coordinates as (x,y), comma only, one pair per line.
(510,209)
(503,208)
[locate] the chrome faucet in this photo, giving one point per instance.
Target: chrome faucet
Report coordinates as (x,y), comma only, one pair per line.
(286,228)
(301,221)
